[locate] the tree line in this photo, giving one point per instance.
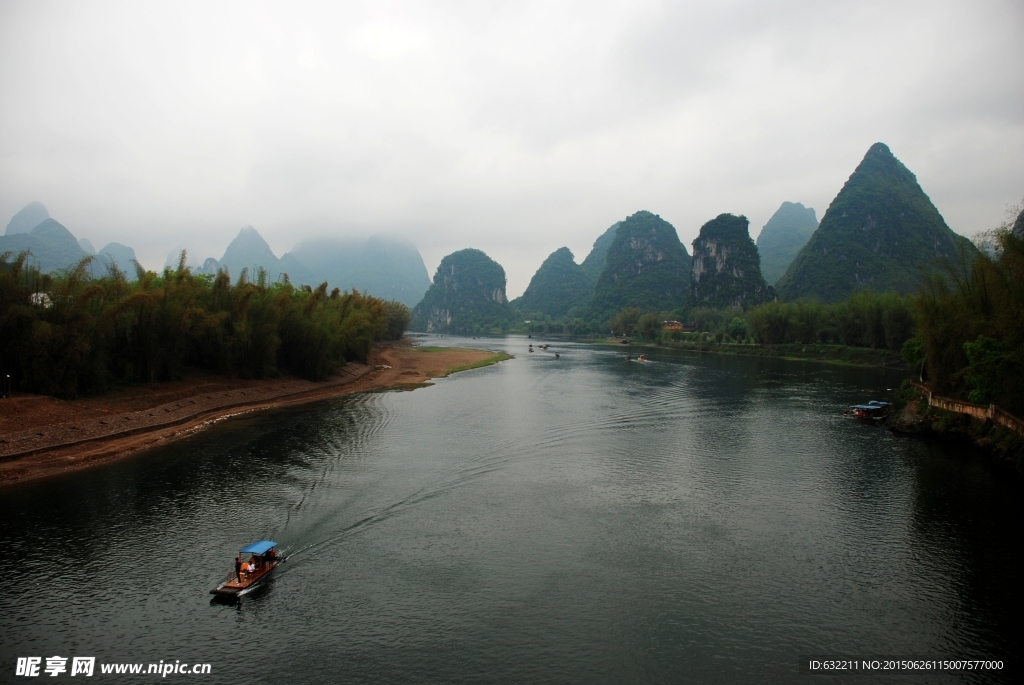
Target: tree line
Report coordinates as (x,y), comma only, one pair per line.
(970,340)
(70,334)
(962,331)
(867,319)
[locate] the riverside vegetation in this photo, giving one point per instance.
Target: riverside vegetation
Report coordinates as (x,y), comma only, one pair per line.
(881,281)
(69,334)
(970,345)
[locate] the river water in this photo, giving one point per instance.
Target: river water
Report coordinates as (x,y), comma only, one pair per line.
(581,519)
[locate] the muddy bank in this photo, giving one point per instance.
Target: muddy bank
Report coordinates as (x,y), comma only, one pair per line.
(42,436)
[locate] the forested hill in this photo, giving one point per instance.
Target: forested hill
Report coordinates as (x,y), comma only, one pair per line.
(559,285)
(726,267)
(467,296)
(593,265)
(779,242)
(880,232)
(646,267)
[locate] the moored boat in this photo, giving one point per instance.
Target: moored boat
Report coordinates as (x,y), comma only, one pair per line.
(249,572)
(874,410)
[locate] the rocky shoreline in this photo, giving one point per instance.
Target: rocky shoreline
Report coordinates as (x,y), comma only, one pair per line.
(912,415)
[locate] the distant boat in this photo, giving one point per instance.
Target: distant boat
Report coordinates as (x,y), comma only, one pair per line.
(873,410)
(249,572)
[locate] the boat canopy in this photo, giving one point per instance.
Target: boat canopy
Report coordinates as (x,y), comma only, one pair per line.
(259,547)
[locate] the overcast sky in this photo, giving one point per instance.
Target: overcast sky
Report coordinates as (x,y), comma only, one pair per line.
(512,127)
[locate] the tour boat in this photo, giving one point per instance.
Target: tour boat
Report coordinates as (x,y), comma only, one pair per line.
(872,410)
(249,571)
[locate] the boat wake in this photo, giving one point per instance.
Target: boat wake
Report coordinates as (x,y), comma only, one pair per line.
(438,488)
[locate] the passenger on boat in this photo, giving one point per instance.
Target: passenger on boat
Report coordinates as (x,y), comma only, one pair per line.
(238,567)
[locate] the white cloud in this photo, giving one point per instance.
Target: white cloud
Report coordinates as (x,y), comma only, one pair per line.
(512,127)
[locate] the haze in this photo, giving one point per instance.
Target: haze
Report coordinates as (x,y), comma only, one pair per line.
(511,127)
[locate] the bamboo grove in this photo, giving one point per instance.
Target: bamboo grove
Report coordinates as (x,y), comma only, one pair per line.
(971,326)
(69,334)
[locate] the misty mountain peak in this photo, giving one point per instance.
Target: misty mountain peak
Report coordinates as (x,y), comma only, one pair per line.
(54,230)
(120,255)
(31,215)
(783,236)
(249,251)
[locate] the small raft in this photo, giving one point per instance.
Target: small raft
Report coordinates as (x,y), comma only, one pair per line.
(249,572)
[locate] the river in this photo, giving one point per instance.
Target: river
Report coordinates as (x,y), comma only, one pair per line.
(580,519)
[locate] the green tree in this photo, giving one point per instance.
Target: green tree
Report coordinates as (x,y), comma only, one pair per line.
(983,356)
(624,323)
(769,323)
(649,325)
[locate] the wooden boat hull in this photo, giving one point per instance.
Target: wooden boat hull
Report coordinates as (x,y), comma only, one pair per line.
(236,588)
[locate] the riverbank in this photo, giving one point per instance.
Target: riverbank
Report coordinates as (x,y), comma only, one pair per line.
(912,415)
(831,354)
(43,436)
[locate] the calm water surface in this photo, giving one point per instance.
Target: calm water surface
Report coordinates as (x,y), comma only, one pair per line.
(573,520)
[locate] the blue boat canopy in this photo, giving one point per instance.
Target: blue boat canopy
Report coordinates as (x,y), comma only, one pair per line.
(259,547)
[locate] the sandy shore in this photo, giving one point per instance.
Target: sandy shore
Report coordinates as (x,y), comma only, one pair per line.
(41,436)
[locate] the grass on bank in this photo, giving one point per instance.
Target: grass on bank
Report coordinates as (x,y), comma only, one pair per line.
(494,359)
(499,357)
